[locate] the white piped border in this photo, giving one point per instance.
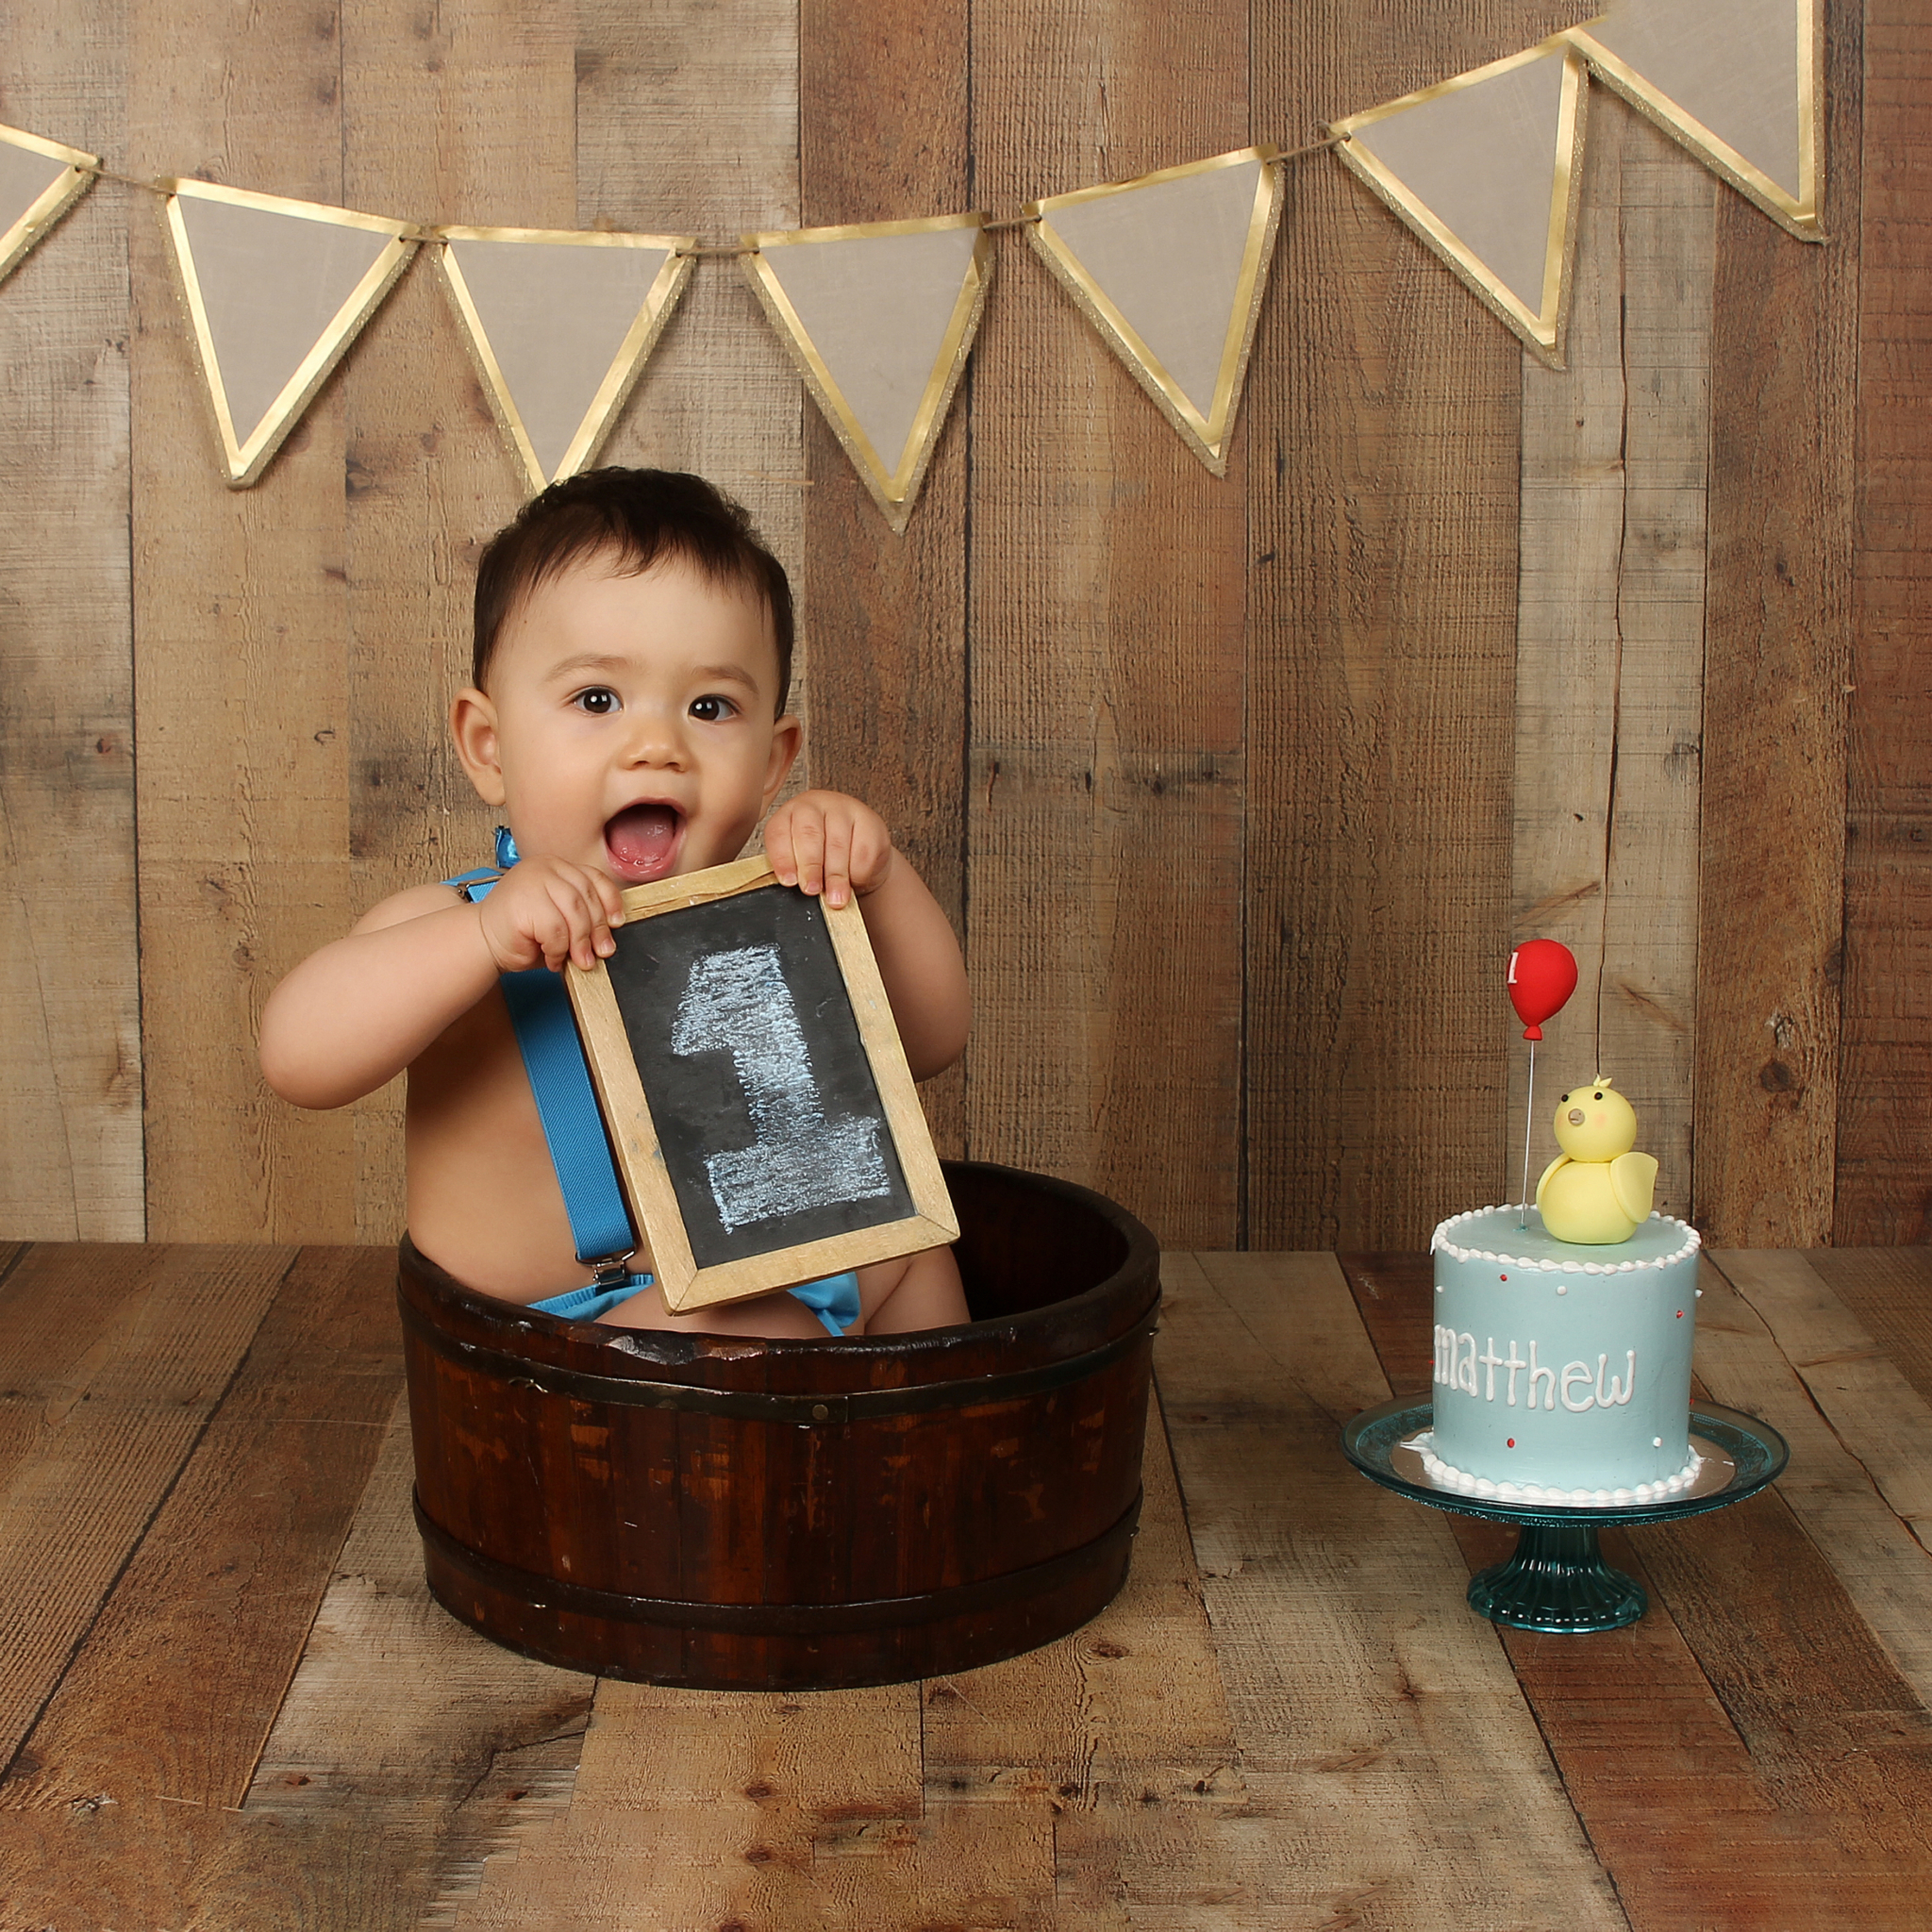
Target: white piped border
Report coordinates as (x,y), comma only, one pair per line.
(1440,1243)
(1445,1475)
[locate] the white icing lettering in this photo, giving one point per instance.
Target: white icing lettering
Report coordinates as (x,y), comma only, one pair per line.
(1492,1361)
(1536,1374)
(1513,1364)
(1620,1393)
(1465,1365)
(1446,1356)
(1573,1373)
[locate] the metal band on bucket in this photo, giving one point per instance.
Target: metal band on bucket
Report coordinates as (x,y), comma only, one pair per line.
(539,1592)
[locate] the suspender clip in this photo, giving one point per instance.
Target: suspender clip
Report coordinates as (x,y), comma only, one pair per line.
(613,1271)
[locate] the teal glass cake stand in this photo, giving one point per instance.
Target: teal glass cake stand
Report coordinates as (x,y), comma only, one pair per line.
(1556,1578)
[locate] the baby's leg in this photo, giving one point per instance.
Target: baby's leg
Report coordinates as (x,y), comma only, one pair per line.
(920,1291)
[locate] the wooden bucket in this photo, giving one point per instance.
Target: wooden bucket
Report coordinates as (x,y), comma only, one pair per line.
(747,1514)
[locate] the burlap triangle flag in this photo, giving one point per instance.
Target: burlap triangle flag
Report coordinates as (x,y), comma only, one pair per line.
(879,318)
(1171,269)
(560,326)
(39,180)
(1739,82)
(276,291)
(1487,167)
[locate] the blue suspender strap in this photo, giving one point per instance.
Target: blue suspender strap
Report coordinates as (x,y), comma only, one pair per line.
(547,1037)
(599,1220)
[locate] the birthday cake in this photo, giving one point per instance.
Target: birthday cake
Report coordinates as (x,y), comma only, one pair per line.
(1562,1371)
(1563,1365)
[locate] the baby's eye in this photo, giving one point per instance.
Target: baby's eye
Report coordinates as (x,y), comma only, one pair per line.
(711,708)
(599,701)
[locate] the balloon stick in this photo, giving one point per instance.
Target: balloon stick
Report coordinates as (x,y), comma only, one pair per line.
(1528,1127)
(1542,975)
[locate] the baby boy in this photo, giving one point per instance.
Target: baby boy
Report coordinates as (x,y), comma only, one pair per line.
(633,657)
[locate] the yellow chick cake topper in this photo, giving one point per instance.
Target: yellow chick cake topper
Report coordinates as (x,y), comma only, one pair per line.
(1596,1192)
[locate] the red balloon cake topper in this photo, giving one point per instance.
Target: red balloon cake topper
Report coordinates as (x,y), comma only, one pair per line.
(1542,975)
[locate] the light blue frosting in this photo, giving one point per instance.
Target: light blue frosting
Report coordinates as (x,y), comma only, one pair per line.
(1597,1339)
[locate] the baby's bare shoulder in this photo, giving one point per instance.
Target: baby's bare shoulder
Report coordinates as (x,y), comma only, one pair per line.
(412,903)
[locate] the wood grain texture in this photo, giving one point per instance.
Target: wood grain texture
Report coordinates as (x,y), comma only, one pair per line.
(1884,1141)
(1856,1483)
(241,642)
(408,1732)
(70,1049)
(1107,710)
(463,114)
(1889,1291)
(227,1576)
(1878,1414)
(112,1360)
(1610,654)
(883,136)
(684,128)
(1382,597)
(1778,614)
(1307,1730)
(406,1753)
(1259,1008)
(1091,1783)
(1373,1710)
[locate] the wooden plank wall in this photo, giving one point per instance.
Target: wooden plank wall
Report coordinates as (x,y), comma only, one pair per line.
(1238,791)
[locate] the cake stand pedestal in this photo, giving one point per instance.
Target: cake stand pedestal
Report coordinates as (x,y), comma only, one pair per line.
(1556,1579)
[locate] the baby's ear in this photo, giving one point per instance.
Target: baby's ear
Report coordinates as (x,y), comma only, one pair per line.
(473,725)
(788,735)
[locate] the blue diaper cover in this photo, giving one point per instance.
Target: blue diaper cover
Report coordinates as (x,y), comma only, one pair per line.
(834,1300)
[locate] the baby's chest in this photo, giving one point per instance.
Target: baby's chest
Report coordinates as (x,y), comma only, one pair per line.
(469,1097)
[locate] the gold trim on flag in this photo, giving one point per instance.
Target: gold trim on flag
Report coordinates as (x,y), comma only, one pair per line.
(1541,330)
(245,461)
(625,367)
(1205,434)
(893,485)
(1800,214)
(52,202)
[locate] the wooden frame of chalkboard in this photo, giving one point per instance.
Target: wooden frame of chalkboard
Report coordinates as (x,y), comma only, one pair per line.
(751,1008)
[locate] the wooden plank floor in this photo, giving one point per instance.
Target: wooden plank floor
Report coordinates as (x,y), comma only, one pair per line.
(226,1700)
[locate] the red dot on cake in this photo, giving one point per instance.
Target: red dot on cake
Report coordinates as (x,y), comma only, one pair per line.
(1680,1314)
(1511,1444)
(1502,1277)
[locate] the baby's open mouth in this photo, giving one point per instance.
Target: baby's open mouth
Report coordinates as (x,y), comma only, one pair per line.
(642,841)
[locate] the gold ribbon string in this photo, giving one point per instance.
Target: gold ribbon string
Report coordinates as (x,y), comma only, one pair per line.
(414,231)
(720,251)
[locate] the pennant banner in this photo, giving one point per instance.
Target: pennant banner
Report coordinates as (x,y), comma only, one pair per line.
(1738,82)
(560,326)
(1171,269)
(1487,169)
(275,293)
(878,319)
(39,180)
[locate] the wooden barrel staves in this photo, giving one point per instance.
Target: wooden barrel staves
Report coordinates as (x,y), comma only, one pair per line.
(732,1513)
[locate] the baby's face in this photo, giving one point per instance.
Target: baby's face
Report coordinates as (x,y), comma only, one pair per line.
(628,722)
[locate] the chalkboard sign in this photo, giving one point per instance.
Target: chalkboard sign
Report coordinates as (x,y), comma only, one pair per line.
(757,1099)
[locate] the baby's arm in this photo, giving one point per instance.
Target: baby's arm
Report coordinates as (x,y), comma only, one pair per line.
(825,842)
(355,1014)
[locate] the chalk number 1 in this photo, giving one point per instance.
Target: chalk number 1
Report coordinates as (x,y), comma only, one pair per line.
(737,1003)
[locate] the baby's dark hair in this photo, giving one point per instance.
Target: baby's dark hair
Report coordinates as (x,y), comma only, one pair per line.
(634,518)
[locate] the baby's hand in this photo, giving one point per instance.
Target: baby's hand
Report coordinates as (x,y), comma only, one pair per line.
(823,841)
(544,911)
